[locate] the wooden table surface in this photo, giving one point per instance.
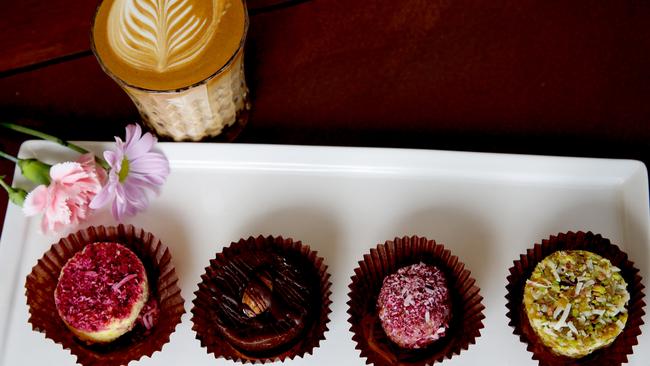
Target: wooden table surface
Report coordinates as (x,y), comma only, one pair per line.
(518,76)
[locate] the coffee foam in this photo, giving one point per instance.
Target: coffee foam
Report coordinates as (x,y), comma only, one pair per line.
(167,44)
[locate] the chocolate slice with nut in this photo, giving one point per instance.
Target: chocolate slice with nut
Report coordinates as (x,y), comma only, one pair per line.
(265,299)
(262,299)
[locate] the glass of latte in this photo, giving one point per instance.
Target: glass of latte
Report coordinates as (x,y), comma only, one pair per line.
(180,61)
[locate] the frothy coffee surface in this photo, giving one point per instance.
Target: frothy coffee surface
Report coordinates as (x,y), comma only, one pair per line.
(167,44)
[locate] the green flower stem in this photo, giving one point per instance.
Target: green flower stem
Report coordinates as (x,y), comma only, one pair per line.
(8,157)
(4,184)
(44,136)
(16,195)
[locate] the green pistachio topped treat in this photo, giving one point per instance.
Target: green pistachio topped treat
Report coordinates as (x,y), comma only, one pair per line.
(576,302)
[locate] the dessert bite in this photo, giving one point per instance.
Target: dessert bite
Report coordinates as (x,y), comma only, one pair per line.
(266,300)
(262,299)
(414,306)
(101,291)
(412,302)
(576,302)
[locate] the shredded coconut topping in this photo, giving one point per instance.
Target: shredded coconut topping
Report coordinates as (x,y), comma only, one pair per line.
(116,286)
(584,305)
(98,285)
(414,305)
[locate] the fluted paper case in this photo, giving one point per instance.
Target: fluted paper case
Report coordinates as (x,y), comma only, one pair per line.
(385,259)
(613,355)
(163,282)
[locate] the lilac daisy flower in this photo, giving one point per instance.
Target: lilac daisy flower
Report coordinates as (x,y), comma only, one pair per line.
(135,170)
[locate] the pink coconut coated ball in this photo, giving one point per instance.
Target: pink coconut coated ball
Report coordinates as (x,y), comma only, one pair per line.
(414,306)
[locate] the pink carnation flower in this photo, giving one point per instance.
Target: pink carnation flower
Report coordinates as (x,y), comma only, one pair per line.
(66,200)
(135,171)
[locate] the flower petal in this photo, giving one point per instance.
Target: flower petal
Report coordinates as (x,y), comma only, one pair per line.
(104,196)
(95,171)
(140,147)
(115,211)
(75,212)
(136,197)
(150,162)
(56,209)
(35,201)
(86,160)
(119,203)
(133,133)
(59,172)
(73,178)
(147,181)
(114,158)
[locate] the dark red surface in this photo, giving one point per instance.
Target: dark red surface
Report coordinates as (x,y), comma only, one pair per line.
(36,31)
(98,286)
(524,76)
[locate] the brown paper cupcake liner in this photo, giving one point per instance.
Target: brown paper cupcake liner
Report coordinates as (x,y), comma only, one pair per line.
(614,354)
(163,282)
(385,259)
(204,313)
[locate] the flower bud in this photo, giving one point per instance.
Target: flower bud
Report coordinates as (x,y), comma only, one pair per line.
(17,196)
(35,170)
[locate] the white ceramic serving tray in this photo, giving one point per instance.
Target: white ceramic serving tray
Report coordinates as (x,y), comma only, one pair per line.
(486,208)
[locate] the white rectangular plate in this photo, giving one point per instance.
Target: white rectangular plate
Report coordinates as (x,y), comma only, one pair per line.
(486,208)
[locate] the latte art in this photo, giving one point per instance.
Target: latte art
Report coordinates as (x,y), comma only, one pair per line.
(167,44)
(180,61)
(161,35)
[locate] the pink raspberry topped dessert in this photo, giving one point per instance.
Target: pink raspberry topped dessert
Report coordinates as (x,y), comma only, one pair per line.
(101,291)
(414,306)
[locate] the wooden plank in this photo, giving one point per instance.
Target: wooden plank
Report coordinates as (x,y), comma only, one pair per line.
(36,31)
(521,67)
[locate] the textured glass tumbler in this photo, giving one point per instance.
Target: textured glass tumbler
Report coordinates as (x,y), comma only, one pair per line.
(215,108)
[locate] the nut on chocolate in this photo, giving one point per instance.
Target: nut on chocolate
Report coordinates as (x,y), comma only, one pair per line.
(257,296)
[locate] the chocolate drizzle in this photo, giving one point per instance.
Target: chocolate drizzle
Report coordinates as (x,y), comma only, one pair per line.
(288,310)
(257,295)
(262,299)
